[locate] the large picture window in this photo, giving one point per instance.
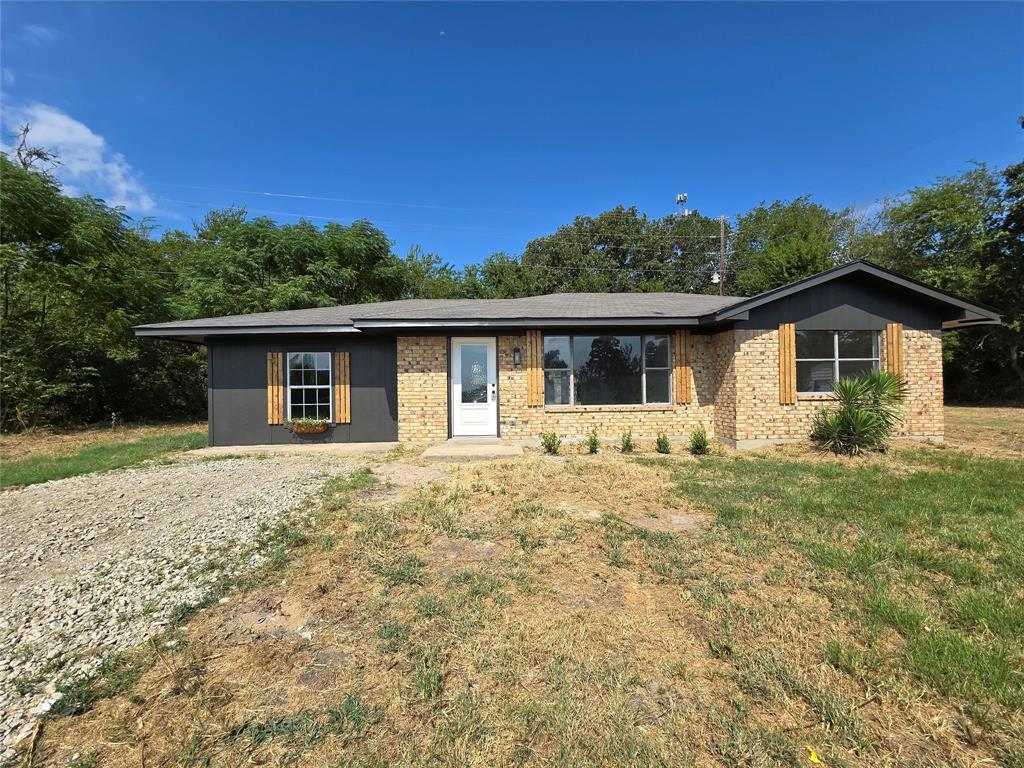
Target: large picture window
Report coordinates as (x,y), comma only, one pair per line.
(823,357)
(309,385)
(607,370)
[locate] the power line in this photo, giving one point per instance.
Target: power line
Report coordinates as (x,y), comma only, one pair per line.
(349,200)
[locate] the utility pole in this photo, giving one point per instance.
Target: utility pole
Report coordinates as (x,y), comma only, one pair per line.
(721,255)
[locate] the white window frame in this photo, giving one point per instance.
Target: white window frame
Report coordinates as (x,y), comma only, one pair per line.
(329,386)
(836,359)
(643,371)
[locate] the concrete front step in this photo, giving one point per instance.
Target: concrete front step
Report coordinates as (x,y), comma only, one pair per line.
(472,448)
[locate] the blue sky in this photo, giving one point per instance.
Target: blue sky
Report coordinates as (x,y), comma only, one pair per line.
(471,129)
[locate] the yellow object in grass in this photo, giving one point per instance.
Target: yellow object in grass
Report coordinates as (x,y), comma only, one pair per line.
(813,756)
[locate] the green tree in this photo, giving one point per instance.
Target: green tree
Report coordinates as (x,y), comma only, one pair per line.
(234,265)
(622,250)
(76,277)
(786,241)
(964,234)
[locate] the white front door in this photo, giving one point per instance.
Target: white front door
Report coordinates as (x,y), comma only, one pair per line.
(474,387)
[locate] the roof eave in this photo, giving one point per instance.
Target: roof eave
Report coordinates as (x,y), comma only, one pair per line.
(203,331)
(740,311)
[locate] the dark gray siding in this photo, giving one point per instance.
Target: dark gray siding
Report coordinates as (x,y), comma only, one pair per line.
(238,389)
(857,302)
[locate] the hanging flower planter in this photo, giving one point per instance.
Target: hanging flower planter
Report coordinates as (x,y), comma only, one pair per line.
(307,426)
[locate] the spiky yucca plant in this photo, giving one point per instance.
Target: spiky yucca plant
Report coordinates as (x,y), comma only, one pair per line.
(866,413)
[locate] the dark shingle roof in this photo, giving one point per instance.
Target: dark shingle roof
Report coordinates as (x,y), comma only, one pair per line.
(552,307)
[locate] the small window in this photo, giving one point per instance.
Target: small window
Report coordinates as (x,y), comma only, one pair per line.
(607,370)
(309,385)
(823,357)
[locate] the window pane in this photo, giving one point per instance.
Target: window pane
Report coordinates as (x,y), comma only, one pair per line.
(323,361)
(855,368)
(607,370)
(858,343)
(323,377)
(323,412)
(556,387)
(814,376)
(295,377)
(474,373)
(656,351)
(556,352)
(323,395)
(296,412)
(298,396)
(657,386)
(814,344)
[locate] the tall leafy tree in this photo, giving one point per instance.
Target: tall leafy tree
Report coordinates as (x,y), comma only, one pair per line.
(76,276)
(965,234)
(233,265)
(782,242)
(622,250)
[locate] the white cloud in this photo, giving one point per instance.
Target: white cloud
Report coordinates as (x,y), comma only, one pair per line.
(8,76)
(87,163)
(37,34)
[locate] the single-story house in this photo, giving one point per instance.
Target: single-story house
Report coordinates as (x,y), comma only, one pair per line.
(751,370)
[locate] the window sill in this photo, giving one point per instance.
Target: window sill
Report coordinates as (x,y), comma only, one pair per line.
(815,396)
(660,407)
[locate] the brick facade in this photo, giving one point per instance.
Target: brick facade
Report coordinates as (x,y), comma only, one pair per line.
(735,393)
(422,388)
(518,421)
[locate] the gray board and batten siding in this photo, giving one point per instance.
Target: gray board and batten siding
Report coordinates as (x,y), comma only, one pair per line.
(237,394)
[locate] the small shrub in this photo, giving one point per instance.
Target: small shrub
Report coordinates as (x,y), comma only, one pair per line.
(593,444)
(865,415)
(627,441)
(662,444)
(551,442)
(699,441)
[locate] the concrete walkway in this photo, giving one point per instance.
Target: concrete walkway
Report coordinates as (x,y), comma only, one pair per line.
(469,448)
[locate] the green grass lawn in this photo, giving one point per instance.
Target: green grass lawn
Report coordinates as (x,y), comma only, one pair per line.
(930,548)
(98,457)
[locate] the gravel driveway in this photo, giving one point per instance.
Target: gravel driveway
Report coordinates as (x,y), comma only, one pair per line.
(97,563)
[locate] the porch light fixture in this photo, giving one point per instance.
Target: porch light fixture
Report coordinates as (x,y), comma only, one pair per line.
(517,356)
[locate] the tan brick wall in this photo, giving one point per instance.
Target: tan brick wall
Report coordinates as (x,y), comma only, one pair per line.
(519,422)
(735,393)
(422,388)
(760,416)
(922,369)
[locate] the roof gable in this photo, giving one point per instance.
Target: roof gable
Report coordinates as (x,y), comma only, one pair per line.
(954,311)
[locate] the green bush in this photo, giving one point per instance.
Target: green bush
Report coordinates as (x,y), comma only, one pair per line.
(627,441)
(662,444)
(866,413)
(593,443)
(551,442)
(699,441)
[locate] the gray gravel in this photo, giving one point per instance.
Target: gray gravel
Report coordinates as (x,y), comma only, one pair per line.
(98,563)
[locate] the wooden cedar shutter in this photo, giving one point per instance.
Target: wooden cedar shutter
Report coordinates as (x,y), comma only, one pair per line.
(894,348)
(275,387)
(787,363)
(681,364)
(342,389)
(534,368)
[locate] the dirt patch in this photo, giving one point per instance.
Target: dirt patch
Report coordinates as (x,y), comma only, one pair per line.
(671,521)
(405,475)
(451,556)
(274,616)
